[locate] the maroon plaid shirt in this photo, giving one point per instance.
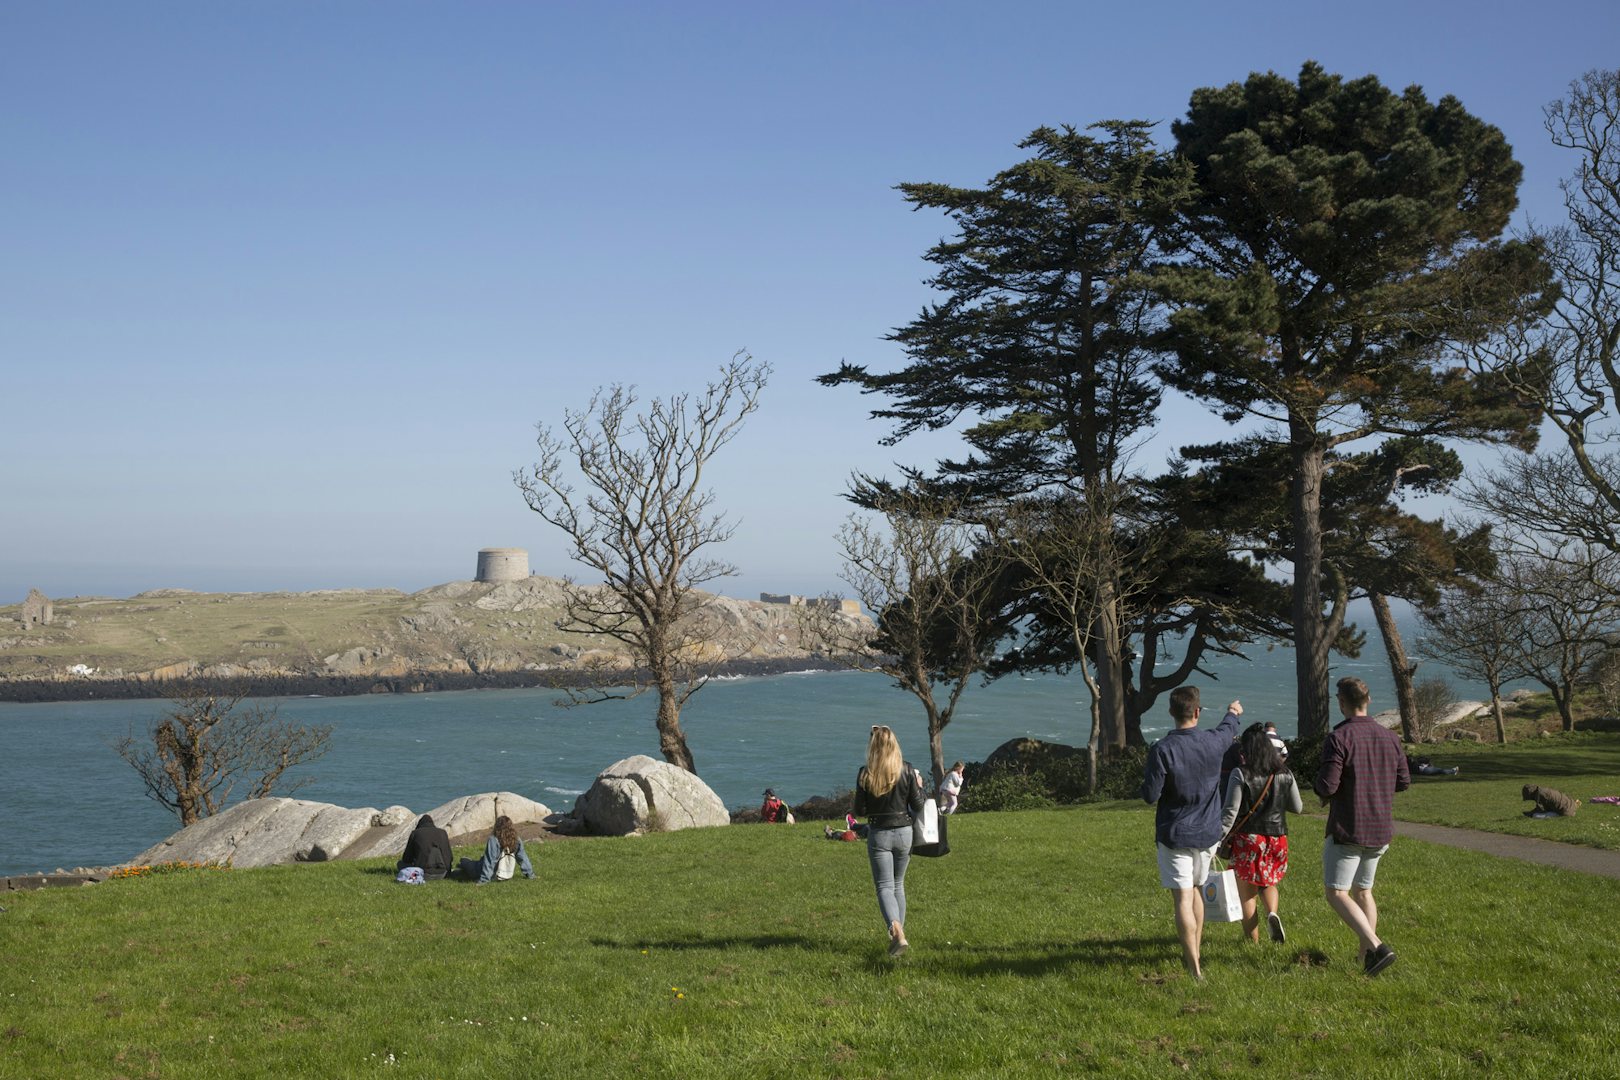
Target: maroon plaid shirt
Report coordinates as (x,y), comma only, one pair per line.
(1363,766)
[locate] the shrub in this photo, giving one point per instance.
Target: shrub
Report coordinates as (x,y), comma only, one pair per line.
(1433,700)
(1304,758)
(1120,776)
(825,807)
(1005,789)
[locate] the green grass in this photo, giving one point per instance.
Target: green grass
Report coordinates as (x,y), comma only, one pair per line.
(1487,793)
(1042,945)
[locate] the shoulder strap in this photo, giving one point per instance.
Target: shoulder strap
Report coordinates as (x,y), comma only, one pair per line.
(1257,804)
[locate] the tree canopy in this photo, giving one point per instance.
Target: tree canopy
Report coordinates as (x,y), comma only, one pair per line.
(1333,226)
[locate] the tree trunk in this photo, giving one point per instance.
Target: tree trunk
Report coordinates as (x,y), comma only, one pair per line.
(1496,711)
(1096,724)
(1109,687)
(1399,666)
(1311,641)
(936,747)
(1565,699)
(671,739)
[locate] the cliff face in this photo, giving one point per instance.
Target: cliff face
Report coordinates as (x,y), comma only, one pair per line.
(461,627)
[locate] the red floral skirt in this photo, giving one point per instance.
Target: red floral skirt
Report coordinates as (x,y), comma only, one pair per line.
(1259,860)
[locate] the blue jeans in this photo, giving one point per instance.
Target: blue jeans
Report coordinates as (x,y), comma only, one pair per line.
(889,850)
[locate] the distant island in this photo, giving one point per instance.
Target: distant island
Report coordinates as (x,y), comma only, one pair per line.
(459,635)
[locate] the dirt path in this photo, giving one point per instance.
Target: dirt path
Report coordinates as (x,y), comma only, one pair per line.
(1583,860)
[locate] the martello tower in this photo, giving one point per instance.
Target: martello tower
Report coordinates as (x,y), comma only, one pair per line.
(502,564)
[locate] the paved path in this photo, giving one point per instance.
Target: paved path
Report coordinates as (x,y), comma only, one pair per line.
(1585,860)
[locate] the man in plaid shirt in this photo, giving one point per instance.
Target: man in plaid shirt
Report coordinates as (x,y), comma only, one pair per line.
(1363,766)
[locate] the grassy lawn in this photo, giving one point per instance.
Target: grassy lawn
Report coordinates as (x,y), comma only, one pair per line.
(1042,945)
(1486,794)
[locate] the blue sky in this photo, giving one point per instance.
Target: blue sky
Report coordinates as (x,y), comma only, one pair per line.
(285,287)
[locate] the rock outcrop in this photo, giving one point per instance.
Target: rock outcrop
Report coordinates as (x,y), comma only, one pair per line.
(1022,753)
(268,832)
(641,794)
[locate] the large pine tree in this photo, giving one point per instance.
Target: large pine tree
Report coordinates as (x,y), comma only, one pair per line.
(1042,338)
(1343,242)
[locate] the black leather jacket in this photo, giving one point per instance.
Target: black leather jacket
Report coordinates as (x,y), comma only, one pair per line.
(1270,818)
(894,810)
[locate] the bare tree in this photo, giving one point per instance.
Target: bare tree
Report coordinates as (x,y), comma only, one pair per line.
(1566,353)
(1474,630)
(924,575)
(644,523)
(193,758)
(1563,603)
(1433,702)
(1069,550)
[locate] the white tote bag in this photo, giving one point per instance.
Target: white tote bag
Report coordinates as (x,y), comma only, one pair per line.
(1221,903)
(925,826)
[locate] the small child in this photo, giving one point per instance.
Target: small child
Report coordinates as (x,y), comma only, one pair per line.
(950,789)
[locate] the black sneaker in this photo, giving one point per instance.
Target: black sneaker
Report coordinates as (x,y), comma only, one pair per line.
(1274,924)
(1379,959)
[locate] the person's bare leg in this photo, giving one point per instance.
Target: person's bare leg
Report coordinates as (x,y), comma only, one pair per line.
(1251,918)
(1189,908)
(1268,899)
(1355,918)
(1369,908)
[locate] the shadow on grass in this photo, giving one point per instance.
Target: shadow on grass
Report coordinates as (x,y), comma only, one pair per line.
(1035,959)
(693,944)
(1525,763)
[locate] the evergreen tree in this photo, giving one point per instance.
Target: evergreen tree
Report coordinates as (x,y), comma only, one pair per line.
(1335,226)
(1042,339)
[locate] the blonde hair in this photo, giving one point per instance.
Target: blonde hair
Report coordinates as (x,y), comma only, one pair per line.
(882,761)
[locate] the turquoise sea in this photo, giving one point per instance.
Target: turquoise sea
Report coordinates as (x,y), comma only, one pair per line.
(68,800)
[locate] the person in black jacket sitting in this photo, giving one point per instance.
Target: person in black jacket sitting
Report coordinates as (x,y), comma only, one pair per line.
(888,791)
(429,848)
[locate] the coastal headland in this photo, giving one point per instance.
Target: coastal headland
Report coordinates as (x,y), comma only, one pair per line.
(455,636)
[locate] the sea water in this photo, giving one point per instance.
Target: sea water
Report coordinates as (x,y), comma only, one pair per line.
(67,799)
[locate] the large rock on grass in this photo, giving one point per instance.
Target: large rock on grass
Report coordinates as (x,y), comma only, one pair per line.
(466,816)
(265,832)
(262,832)
(641,794)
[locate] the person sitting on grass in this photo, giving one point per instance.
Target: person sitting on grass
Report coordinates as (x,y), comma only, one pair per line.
(774,811)
(429,849)
(1550,802)
(503,854)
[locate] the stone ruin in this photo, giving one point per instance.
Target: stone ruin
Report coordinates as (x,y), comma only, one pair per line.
(36,610)
(843,607)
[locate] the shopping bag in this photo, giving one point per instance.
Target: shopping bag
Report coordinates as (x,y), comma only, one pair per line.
(934,850)
(925,826)
(1221,903)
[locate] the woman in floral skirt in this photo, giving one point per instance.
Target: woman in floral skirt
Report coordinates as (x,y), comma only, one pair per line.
(1260,794)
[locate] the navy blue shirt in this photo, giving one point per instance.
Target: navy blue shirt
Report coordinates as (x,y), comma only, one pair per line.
(1183,777)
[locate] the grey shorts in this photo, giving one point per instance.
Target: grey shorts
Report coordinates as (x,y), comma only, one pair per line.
(1349,866)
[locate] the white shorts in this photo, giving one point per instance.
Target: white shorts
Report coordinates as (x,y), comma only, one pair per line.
(1184,867)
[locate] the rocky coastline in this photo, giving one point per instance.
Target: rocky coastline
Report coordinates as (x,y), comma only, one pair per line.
(461,635)
(314,684)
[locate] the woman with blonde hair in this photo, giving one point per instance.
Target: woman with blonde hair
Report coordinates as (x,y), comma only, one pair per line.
(503,853)
(888,791)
